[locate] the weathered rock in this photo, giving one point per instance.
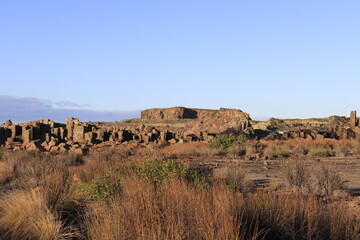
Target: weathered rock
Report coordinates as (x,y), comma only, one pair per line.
(33,146)
(90,137)
(28,135)
(212,121)
(353,119)
(79,133)
(2,135)
(15,130)
(7,123)
(100,135)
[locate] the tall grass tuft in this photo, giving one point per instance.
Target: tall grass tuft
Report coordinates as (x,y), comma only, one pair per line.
(25,215)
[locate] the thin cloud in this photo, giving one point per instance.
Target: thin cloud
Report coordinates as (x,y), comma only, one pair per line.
(28,109)
(67,104)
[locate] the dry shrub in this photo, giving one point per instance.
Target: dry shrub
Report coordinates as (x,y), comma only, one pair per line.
(90,170)
(269,150)
(110,155)
(327,180)
(296,174)
(191,149)
(25,215)
(251,149)
(301,150)
(320,179)
(70,158)
(236,150)
(236,178)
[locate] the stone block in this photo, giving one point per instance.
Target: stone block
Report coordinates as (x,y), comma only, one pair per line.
(34,146)
(90,137)
(2,135)
(79,133)
(353,119)
(15,130)
(100,135)
(141,127)
(357,132)
(28,135)
(70,132)
(72,121)
(7,123)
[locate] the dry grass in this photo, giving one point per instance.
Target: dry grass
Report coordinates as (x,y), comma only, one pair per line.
(315,148)
(190,149)
(128,197)
(24,215)
(6,172)
(173,211)
(176,210)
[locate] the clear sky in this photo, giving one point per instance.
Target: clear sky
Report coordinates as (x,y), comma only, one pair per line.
(268,58)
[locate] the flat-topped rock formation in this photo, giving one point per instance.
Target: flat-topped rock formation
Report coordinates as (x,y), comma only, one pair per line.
(212,121)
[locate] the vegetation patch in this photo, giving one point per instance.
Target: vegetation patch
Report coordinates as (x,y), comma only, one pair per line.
(225,141)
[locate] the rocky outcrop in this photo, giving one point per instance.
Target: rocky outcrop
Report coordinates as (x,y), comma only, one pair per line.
(47,135)
(195,125)
(174,113)
(337,127)
(202,120)
(345,128)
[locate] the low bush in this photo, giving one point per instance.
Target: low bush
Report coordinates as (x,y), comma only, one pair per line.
(322,153)
(157,171)
(281,153)
(296,174)
(227,140)
(100,189)
(328,180)
(236,178)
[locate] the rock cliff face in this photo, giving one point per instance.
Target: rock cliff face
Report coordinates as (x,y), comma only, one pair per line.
(169,113)
(212,121)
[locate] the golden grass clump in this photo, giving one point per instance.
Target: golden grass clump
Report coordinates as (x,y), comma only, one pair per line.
(25,215)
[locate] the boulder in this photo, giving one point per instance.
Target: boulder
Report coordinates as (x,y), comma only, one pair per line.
(33,146)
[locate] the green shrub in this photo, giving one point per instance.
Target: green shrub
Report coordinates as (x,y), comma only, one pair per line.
(157,171)
(163,145)
(323,153)
(100,189)
(225,141)
(281,153)
(275,124)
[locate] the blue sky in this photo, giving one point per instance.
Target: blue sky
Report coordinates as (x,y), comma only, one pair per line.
(268,58)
